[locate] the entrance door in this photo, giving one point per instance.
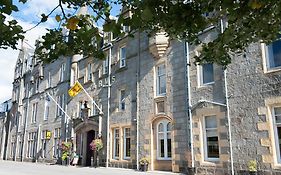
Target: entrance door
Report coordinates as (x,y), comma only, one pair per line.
(90,137)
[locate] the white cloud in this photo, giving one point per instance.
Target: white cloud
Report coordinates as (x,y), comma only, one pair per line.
(8,58)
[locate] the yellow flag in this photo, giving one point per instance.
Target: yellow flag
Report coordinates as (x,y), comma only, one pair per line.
(48,134)
(75,89)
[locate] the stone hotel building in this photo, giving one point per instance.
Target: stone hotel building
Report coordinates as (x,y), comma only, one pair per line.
(155,103)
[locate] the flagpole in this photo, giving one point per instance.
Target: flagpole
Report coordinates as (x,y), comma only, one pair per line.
(58,105)
(91,98)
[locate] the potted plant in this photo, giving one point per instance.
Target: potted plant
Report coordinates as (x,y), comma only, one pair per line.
(144,163)
(96,145)
(66,148)
(252,167)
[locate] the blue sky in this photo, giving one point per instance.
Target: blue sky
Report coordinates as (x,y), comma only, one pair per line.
(29,15)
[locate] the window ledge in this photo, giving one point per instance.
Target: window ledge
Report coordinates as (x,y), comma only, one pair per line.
(120,160)
(120,69)
(272,70)
(160,97)
(277,165)
(212,162)
(206,85)
(88,82)
(164,159)
(160,114)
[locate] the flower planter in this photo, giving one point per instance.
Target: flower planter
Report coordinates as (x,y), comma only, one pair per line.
(144,167)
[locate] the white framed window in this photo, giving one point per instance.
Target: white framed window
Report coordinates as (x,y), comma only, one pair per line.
(125,28)
(206,74)
(62,72)
(122,56)
(49,81)
(276,116)
(127,143)
(47,108)
(44,142)
(116,143)
(272,56)
(13,146)
(31,144)
(20,120)
(20,146)
(37,84)
(211,139)
(24,115)
(26,90)
(56,146)
(161,80)
(61,102)
(105,65)
(164,144)
(89,72)
(95,110)
(34,112)
(122,104)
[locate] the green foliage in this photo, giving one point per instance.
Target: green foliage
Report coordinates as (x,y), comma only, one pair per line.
(66,148)
(10,31)
(144,161)
(96,145)
(252,165)
(247,22)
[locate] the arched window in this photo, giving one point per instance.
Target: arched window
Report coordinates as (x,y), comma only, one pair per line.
(164,144)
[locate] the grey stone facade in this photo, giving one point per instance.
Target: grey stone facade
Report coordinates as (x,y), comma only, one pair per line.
(252,92)
(133,111)
(137,78)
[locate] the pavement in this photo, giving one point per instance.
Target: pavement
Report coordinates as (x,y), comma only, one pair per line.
(27,168)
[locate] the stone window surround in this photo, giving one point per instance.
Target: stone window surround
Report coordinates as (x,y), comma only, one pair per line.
(62,72)
(165,133)
(121,157)
(56,139)
(160,99)
(156,79)
(122,58)
(264,61)
(124,142)
(34,112)
(268,125)
(198,120)
(105,64)
(89,73)
(200,77)
(121,101)
(115,130)
(206,158)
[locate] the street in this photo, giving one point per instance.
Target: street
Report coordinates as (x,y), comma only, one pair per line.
(26,168)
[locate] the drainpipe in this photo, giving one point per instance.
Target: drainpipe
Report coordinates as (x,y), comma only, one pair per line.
(228,122)
(8,137)
(108,105)
(2,134)
(227,108)
(189,118)
(137,100)
(37,144)
(17,131)
(24,130)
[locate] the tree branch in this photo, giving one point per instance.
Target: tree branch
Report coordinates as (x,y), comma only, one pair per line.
(62,10)
(41,20)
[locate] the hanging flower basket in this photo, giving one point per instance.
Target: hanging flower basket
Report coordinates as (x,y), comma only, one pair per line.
(96,145)
(144,163)
(66,148)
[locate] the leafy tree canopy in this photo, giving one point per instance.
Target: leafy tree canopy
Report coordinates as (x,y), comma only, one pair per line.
(246,22)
